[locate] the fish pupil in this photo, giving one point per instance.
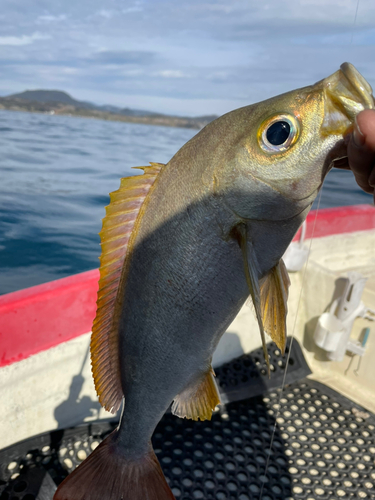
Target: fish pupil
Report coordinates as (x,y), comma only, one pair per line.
(278,133)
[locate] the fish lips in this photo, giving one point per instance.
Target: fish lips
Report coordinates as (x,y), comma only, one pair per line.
(346,94)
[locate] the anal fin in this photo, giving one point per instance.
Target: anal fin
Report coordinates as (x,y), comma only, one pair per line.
(273,297)
(198,400)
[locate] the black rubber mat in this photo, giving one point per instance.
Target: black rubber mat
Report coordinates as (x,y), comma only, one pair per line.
(247,376)
(306,442)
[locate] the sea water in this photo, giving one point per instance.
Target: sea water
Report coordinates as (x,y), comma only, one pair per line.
(55,176)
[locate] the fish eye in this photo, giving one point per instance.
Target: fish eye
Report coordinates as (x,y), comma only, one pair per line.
(278,133)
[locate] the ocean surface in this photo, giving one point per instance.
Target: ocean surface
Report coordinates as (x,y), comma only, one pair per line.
(55,176)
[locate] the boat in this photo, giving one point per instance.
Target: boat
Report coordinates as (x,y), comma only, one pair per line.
(308,431)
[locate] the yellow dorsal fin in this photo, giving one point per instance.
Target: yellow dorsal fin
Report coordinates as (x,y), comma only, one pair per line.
(118,224)
(273,299)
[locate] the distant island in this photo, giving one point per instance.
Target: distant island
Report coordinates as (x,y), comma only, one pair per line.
(60,103)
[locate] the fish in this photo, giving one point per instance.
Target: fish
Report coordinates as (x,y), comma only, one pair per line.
(183,247)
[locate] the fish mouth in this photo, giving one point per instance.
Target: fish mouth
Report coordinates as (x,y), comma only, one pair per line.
(346,94)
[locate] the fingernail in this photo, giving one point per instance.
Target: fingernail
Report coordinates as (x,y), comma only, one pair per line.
(358,137)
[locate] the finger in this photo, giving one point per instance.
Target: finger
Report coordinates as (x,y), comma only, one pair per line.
(361,150)
(342,163)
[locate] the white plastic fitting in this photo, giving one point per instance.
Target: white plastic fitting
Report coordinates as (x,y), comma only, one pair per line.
(332,332)
(297,253)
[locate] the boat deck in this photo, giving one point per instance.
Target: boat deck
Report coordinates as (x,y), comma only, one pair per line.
(303,442)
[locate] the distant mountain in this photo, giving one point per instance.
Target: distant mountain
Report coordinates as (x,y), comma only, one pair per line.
(59,102)
(49,96)
(60,97)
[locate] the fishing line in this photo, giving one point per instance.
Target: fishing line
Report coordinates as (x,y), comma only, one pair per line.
(278,406)
(296,315)
(355,20)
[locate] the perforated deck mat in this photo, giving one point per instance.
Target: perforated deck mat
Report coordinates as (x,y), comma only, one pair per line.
(323,448)
(247,375)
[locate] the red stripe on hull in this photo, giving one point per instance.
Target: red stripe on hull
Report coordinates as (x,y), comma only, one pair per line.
(41,317)
(340,220)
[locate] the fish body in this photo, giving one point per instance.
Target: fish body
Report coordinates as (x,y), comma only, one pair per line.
(193,283)
(205,231)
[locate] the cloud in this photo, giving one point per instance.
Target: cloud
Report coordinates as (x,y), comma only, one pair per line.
(123,57)
(48,18)
(172,73)
(136,8)
(23,39)
(107,14)
(198,55)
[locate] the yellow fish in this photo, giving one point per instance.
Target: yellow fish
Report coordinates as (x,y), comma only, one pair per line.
(183,246)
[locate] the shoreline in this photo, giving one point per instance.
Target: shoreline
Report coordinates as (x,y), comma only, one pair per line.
(53,109)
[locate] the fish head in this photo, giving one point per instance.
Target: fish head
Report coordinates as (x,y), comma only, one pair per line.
(282,148)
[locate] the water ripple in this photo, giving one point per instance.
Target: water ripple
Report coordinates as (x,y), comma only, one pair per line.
(56,173)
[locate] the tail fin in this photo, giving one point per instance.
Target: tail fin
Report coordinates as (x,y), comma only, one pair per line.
(108,475)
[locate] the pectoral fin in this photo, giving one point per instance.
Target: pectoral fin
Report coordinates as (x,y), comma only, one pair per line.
(198,400)
(273,297)
(251,274)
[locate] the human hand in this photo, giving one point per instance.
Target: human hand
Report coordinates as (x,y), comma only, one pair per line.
(361,151)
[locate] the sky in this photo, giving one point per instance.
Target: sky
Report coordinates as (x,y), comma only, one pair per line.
(191,57)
